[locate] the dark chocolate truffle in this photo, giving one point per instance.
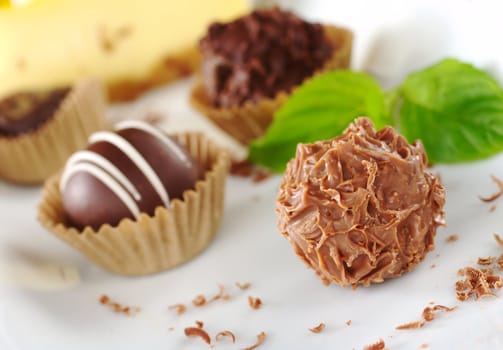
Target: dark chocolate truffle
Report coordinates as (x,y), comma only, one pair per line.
(25,111)
(360,208)
(259,55)
(125,173)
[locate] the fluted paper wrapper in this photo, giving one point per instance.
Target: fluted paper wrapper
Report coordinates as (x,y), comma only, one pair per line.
(151,243)
(32,157)
(251,120)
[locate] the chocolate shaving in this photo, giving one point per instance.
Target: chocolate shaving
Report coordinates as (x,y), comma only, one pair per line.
(379,345)
(452,238)
(255,303)
(428,316)
(410,325)
(495,195)
(197,332)
(228,334)
(499,262)
(478,283)
(243,286)
(486,261)
(116,307)
(260,340)
(199,324)
(199,300)
(498,239)
(318,329)
(180,308)
(222,295)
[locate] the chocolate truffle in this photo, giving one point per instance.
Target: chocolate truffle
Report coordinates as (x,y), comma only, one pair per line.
(125,173)
(259,55)
(360,208)
(25,111)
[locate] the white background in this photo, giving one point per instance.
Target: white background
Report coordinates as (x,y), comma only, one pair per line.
(49,293)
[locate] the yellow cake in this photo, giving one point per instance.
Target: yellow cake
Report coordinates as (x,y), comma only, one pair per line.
(48,43)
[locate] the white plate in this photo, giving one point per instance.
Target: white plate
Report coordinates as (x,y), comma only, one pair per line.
(49,293)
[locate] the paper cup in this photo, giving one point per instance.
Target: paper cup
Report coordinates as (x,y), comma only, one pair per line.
(151,243)
(251,120)
(32,157)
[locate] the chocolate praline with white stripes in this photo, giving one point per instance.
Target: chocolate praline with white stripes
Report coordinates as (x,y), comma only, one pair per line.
(133,170)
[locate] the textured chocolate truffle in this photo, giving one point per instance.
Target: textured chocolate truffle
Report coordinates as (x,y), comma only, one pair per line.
(25,111)
(125,173)
(259,55)
(360,208)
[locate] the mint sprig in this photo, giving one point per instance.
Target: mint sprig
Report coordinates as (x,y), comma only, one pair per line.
(455,109)
(318,110)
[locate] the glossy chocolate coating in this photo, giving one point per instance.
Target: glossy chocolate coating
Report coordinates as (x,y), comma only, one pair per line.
(361,207)
(88,201)
(25,111)
(259,55)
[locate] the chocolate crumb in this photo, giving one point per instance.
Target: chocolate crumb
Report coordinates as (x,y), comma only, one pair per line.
(180,308)
(171,329)
(228,334)
(318,329)
(199,324)
(348,323)
(424,346)
(379,345)
(452,238)
(260,339)
(433,266)
(243,286)
(496,195)
(255,303)
(492,208)
(197,332)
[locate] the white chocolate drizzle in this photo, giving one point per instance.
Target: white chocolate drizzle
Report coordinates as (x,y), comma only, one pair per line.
(136,157)
(104,178)
(168,142)
(110,175)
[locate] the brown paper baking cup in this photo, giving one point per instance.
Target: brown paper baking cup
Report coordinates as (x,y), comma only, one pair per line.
(251,120)
(32,157)
(170,68)
(151,243)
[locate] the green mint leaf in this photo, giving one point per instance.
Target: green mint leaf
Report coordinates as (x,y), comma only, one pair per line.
(455,109)
(320,109)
